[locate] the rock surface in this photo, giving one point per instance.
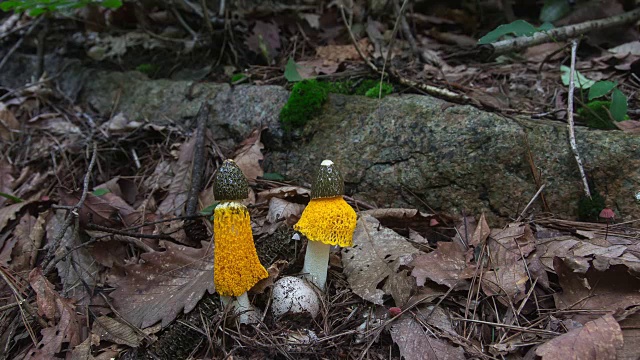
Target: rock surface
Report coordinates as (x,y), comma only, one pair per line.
(405,150)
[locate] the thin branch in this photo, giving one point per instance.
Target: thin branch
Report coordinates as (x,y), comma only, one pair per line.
(572,134)
(355,42)
(53,246)
(563,33)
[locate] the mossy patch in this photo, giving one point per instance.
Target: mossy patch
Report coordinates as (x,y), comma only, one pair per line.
(307,97)
(589,208)
(305,100)
(596,115)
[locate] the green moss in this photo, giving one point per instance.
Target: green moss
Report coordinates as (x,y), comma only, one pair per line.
(589,208)
(306,99)
(147,69)
(374,92)
(596,115)
(237,77)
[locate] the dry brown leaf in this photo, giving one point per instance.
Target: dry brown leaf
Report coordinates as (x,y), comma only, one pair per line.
(265,37)
(445,266)
(597,340)
(628,126)
(6,179)
(631,333)
(274,272)
(311,68)
(506,246)
(78,268)
(8,213)
(372,265)
(614,289)
(22,248)
(8,123)
(163,284)
(68,328)
(415,344)
(280,209)
(340,53)
(481,232)
(106,210)
(115,331)
(284,192)
(249,156)
(507,282)
(180,181)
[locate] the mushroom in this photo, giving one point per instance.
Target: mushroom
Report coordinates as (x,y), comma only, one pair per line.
(327,220)
(609,215)
(236,264)
(292,295)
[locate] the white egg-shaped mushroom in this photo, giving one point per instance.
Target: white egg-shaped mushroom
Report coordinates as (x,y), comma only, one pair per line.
(292,295)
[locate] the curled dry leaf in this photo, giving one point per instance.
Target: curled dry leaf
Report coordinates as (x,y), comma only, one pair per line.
(21,250)
(115,331)
(415,344)
(107,210)
(61,311)
(614,289)
(372,264)
(596,340)
(164,284)
(78,268)
(280,209)
(249,156)
(511,244)
(445,266)
(507,282)
(6,179)
(284,192)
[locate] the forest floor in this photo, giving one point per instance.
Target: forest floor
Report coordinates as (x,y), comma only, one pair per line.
(101,257)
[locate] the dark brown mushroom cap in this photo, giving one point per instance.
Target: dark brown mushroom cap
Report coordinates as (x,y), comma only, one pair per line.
(230,183)
(329,182)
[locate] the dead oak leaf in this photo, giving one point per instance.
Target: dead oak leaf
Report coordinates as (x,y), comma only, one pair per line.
(372,264)
(598,340)
(506,246)
(61,311)
(507,282)
(445,266)
(415,344)
(614,289)
(249,156)
(164,284)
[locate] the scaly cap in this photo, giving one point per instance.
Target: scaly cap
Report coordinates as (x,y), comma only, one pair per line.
(328,182)
(230,183)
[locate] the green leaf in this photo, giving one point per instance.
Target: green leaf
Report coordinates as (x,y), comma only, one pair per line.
(11,197)
(546,26)
(100,192)
(601,88)
(273,177)
(291,71)
(209,209)
(581,81)
(618,107)
(554,10)
(112,4)
(517,28)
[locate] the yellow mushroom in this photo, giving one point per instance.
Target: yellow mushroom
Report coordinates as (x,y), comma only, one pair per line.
(236,264)
(327,220)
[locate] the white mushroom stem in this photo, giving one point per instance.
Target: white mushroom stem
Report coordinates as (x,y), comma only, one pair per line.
(241,306)
(316,263)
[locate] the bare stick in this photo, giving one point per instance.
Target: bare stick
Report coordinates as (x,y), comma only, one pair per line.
(572,134)
(355,42)
(563,33)
(524,211)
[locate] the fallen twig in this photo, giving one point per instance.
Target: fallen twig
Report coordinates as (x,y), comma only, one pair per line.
(572,134)
(561,33)
(72,213)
